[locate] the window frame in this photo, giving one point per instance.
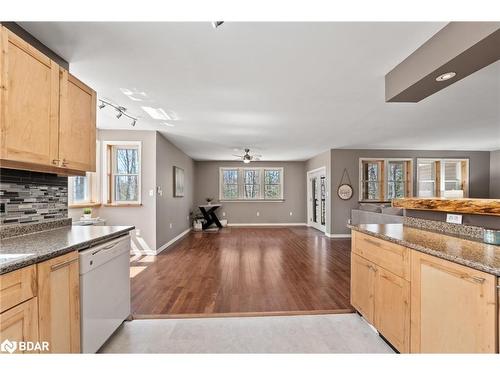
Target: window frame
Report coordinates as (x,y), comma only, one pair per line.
(93,185)
(108,174)
(241,184)
(384,182)
(439,174)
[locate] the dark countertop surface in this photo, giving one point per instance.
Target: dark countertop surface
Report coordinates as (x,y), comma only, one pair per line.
(22,251)
(478,255)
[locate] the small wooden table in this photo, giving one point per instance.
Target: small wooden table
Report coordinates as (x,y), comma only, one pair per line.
(208,211)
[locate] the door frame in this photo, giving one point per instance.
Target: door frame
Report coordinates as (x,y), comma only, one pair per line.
(321,228)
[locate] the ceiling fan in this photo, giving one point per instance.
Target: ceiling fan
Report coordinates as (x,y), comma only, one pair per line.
(247,158)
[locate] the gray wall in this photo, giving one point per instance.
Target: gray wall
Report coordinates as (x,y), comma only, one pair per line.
(495,174)
(323,160)
(170,209)
(207,185)
(479,165)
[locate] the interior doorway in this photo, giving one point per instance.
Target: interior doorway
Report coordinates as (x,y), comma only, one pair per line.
(316,199)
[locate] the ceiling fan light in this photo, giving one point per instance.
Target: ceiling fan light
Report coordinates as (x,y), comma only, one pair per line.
(246,161)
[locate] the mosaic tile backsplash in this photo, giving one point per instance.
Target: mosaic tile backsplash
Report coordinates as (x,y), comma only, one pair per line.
(28,197)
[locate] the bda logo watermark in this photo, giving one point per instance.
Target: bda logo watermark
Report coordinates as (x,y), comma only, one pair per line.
(8,346)
(23,346)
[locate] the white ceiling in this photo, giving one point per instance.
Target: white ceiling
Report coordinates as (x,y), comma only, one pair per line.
(287,90)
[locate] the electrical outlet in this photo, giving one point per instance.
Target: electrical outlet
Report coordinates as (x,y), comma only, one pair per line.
(258,213)
(223,214)
(151,192)
(454,218)
(291,213)
(187,217)
(170,225)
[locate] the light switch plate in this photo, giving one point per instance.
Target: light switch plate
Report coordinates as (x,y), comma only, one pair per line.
(454,218)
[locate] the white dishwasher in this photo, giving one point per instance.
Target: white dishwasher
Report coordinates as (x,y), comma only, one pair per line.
(104,291)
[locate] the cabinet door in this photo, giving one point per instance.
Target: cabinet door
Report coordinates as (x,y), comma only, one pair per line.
(20,323)
(59,303)
(77,133)
(392,309)
(453,308)
(362,286)
(29,102)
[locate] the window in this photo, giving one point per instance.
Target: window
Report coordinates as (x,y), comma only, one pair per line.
(385,179)
(426,178)
(123,172)
(247,184)
(447,178)
(84,190)
(272,183)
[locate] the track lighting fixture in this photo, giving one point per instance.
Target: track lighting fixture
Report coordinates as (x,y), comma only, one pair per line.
(120,111)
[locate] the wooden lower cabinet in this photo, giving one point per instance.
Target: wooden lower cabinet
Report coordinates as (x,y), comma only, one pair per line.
(363,286)
(453,308)
(20,323)
(392,309)
(59,303)
(383,299)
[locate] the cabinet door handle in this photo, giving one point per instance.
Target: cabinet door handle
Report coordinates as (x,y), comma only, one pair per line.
(64,163)
(477,279)
(57,266)
(55,161)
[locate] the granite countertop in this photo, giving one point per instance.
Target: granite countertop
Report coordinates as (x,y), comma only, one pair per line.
(22,251)
(474,254)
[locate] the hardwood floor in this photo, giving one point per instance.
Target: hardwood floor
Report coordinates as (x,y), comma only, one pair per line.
(244,271)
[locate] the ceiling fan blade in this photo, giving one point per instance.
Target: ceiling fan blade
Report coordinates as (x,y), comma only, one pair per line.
(257,155)
(238,156)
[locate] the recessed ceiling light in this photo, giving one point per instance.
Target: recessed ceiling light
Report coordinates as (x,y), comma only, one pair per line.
(167,124)
(156,113)
(445,76)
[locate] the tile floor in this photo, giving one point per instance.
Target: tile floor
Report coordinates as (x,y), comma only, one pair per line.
(336,333)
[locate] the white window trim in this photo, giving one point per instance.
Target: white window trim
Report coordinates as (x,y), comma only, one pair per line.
(385,177)
(105,177)
(261,184)
(441,177)
(94,184)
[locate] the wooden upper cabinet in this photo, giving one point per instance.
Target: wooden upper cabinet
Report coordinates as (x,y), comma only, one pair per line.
(47,116)
(29,102)
(59,303)
(77,125)
(453,308)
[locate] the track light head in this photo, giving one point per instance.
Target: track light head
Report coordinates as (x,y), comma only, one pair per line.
(102,105)
(119,114)
(134,121)
(216,24)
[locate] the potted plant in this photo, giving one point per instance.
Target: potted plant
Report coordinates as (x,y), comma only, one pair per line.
(209,201)
(87,213)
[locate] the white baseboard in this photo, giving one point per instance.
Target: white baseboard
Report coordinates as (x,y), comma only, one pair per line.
(175,239)
(266,224)
(338,235)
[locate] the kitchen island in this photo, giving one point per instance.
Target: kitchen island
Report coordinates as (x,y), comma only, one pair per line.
(426,291)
